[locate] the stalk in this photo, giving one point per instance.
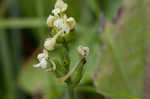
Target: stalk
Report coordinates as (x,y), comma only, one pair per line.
(71,92)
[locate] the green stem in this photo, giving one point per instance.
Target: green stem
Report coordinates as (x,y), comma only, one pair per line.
(70,92)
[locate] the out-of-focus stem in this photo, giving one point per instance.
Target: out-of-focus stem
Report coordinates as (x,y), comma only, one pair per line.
(71,92)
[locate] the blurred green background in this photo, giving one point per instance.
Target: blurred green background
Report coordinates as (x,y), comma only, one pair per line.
(116,31)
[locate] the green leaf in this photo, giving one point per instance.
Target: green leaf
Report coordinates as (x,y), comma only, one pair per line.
(121,68)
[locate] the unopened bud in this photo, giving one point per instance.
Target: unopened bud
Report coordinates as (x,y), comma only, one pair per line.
(61,5)
(50,44)
(71,22)
(50,20)
(83,51)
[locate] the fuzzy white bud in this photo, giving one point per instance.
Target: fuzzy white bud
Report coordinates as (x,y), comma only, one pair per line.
(61,5)
(50,20)
(71,22)
(50,44)
(83,51)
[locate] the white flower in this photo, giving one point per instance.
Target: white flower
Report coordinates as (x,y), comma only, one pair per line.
(71,22)
(42,64)
(83,51)
(56,11)
(62,25)
(61,5)
(58,23)
(50,43)
(50,20)
(42,57)
(66,28)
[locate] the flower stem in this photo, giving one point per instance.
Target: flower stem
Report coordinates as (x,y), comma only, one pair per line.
(70,92)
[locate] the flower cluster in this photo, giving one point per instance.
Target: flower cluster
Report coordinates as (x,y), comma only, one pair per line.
(61,25)
(59,21)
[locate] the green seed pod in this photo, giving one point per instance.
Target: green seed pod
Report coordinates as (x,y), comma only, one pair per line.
(78,72)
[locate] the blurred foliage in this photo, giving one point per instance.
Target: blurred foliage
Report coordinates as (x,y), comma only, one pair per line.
(118,56)
(123,60)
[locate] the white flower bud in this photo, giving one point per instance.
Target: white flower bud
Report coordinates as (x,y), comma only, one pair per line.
(50,20)
(50,44)
(83,51)
(61,5)
(71,22)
